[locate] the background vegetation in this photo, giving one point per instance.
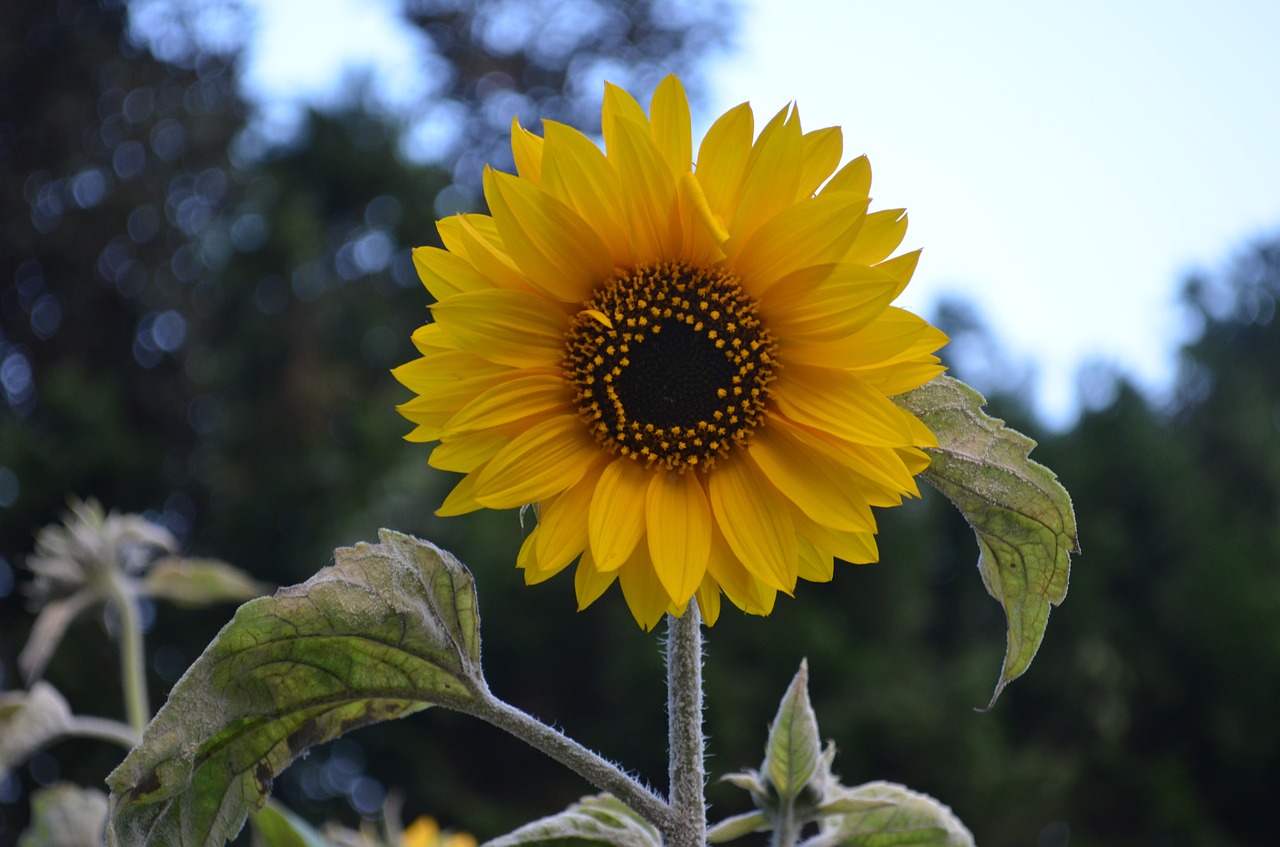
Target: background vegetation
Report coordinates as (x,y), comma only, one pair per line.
(197,325)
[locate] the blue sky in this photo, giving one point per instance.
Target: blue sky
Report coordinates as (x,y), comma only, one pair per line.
(1064,164)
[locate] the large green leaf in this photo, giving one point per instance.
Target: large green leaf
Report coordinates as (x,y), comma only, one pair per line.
(388,630)
(1021,514)
(591,822)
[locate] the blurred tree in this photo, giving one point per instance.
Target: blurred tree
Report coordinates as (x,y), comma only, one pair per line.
(199,327)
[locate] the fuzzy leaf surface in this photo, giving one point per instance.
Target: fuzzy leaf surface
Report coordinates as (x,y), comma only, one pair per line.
(389,629)
(596,820)
(1021,514)
(906,817)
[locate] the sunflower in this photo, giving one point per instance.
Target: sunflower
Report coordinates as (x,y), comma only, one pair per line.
(685,364)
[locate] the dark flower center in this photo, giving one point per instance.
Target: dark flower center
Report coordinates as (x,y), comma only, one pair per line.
(670,365)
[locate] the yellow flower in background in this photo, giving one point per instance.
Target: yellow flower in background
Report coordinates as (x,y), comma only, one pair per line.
(685,363)
(425,832)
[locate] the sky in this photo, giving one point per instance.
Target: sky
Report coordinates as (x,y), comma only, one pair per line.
(1064,165)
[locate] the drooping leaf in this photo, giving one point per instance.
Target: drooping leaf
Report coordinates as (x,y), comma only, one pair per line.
(200,582)
(1021,514)
(28,721)
(65,816)
(904,817)
(388,630)
(46,633)
(600,819)
(794,751)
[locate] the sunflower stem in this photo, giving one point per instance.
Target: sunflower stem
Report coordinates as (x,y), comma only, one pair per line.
(587,764)
(684,717)
(123,597)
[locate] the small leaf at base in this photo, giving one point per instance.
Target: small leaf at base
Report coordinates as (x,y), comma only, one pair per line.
(600,819)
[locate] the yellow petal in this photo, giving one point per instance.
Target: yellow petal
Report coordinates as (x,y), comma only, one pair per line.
(650,191)
(771,177)
(709,600)
(679,531)
(813,232)
(822,149)
(536,395)
(615,521)
(815,565)
(898,377)
(645,596)
(825,492)
(445,274)
(517,328)
(703,234)
(743,590)
(618,103)
(576,171)
(881,234)
(563,523)
(467,453)
(895,333)
(542,461)
(526,148)
(840,403)
(883,477)
(755,521)
(669,125)
(848,298)
(589,582)
(461,500)
(463,236)
(858,548)
(855,177)
(722,158)
(552,246)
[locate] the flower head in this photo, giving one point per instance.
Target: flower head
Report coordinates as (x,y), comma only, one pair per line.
(686,363)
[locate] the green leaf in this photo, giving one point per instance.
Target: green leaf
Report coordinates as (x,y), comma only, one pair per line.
(1021,514)
(601,819)
(904,817)
(276,826)
(200,582)
(65,816)
(738,826)
(794,751)
(390,629)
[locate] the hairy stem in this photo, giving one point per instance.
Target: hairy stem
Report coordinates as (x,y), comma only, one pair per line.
(133,669)
(592,767)
(684,716)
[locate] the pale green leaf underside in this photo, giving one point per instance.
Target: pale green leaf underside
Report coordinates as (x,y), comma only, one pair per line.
(1021,514)
(388,630)
(907,817)
(794,750)
(64,816)
(592,821)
